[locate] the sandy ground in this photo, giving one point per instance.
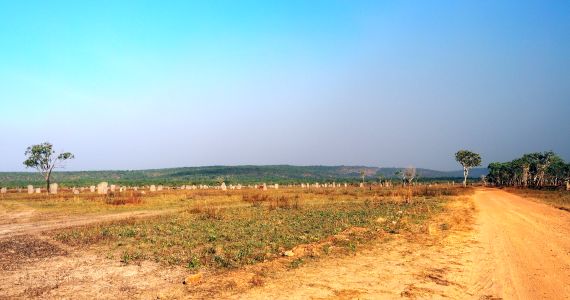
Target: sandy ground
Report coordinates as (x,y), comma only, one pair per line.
(523,248)
(513,249)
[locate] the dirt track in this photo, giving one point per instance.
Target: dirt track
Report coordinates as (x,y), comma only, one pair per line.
(29,227)
(524,248)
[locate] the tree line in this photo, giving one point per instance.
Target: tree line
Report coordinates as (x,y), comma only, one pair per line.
(537,169)
(531,170)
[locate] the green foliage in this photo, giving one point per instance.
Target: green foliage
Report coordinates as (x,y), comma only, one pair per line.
(468,159)
(533,170)
(282,174)
(297,262)
(193,263)
(42,158)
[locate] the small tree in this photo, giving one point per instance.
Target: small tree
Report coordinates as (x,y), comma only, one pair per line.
(42,157)
(468,160)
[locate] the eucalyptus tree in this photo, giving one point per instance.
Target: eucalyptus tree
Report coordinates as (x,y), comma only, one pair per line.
(545,159)
(468,160)
(43,158)
(535,169)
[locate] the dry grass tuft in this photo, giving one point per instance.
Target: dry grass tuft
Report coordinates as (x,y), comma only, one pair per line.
(212,213)
(255,199)
(120,199)
(284,202)
(557,198)
(273,202)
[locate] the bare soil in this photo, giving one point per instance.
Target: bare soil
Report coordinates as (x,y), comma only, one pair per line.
(522,250)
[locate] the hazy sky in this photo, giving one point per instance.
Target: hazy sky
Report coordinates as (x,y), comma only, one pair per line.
(152,84)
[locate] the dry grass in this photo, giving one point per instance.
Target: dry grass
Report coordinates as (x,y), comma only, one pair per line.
(66,204)
(557,198)
(273,202)
(131,197)
(256,199)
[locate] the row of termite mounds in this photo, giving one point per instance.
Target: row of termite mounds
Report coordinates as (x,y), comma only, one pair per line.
(104,188)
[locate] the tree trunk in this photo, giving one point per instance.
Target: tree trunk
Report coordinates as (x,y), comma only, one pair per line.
(465,174)
(47,181)
(525,176)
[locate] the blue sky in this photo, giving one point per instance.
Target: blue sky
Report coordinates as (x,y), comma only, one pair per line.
(151,84)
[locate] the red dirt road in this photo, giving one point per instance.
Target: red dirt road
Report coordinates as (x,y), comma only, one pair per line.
(524,248)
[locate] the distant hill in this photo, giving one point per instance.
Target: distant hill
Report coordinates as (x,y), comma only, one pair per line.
(229,174)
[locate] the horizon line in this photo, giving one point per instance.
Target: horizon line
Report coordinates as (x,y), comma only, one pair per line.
(246,165)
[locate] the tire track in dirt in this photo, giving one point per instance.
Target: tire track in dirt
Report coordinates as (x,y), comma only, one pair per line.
(35,227)
(29,227)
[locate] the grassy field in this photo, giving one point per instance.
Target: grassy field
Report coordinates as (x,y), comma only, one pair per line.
(557,198)
(67,204)
(218,230)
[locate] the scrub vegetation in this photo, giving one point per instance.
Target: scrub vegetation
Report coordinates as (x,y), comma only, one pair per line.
(251,226)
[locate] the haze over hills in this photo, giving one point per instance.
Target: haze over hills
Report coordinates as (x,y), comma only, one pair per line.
(229,174)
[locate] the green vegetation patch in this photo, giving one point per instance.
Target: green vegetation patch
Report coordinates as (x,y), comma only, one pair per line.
(226,238)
